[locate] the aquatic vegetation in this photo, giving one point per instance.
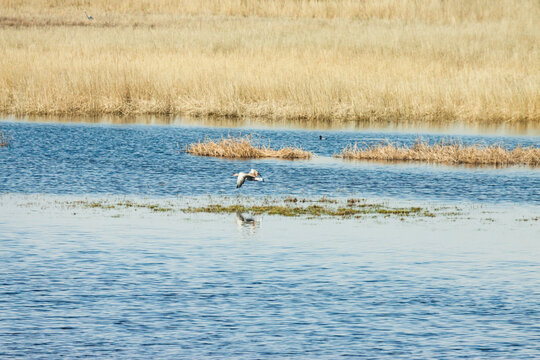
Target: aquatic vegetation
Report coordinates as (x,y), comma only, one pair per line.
(355,202)
(283,59)
(323,199)
(243,148)
(119,205)
(311,210)
(448,153)
(524,219)
(4,139)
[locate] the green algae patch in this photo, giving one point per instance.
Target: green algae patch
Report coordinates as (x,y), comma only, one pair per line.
(120,205)
(288,207)
(311,211)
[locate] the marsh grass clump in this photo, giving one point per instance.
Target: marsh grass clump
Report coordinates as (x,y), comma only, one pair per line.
(447,153)
(355,202)
(243,148)
(5,139)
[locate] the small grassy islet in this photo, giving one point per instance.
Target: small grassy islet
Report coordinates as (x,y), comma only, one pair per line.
(244,148)
(446,153)
(453,153)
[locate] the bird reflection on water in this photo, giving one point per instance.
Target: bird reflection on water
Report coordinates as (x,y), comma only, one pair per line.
(247,223)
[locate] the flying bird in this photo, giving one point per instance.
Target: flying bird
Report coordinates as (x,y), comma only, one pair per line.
(89,17)
(253,175)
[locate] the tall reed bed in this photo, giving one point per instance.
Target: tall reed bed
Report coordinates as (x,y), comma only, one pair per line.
(243,148)
(340,60)
(427,11)
(447,153)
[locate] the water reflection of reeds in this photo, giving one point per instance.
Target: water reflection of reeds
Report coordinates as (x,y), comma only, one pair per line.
(455,127)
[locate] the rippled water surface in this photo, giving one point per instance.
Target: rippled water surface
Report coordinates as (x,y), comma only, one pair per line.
(132,283)
(150,160)
(206,286)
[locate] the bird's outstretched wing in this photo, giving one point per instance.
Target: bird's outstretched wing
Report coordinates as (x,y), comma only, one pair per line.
(240,181)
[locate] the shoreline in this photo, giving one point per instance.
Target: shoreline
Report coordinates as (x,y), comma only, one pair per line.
(331,118)
(458,127)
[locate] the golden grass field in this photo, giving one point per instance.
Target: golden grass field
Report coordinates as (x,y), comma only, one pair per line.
(446,153)
(335,60)
(244,148)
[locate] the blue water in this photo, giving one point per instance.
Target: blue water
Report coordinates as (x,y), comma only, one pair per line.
(90,286)
(80,283)
(149,160)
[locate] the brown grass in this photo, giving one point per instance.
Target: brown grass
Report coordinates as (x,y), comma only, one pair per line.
(448,153)
(335,60)
(243,148)
(4,139)
(125,11)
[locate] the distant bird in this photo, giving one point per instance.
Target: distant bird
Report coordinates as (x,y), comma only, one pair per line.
(89,17)
(253,175)
(322,138)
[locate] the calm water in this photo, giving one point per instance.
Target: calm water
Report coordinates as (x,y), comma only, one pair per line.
(455,127)
(149,160)
(142,286)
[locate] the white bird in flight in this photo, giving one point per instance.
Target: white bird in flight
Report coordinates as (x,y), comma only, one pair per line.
(253,175)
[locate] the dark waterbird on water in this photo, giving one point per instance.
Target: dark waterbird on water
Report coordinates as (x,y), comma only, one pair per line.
(322,138)
(253,175)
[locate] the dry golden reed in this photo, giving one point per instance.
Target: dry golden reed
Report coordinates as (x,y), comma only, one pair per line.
(335,60)
(4,139)
(447,153)
(243,148)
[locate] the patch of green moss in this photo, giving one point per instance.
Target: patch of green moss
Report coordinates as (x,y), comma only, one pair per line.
(293,207)
(311,210)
